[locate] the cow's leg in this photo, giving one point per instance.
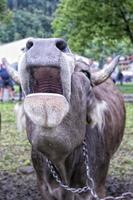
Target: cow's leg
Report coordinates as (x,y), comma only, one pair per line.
(68,195)
(38,163)
(44,192)
(101,192)
(100,186)
(40,167)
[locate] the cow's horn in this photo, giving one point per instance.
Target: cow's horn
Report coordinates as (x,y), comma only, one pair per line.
(102,75)
(12,72)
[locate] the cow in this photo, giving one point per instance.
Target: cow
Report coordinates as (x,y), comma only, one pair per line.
(75,119)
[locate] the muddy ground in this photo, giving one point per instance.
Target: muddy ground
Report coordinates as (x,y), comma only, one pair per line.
(18,186)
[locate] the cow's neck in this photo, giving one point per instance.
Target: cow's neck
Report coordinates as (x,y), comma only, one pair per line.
(70,170)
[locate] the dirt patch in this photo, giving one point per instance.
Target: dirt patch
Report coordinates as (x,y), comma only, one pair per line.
(115,187)
(18,187)
(23,187)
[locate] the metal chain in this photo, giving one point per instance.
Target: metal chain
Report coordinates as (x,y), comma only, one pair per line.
(76,190)
(124,196)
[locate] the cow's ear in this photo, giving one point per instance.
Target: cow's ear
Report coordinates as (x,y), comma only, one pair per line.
(81,66)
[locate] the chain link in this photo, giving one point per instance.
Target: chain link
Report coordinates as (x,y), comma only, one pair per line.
(76,190)
(124,196)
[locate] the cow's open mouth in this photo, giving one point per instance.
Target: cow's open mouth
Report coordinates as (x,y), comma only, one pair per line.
(45,104)
(45,80)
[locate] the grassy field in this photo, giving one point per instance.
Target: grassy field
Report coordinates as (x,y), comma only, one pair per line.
(126,88)
(122,163)
(15,149)
(14,146)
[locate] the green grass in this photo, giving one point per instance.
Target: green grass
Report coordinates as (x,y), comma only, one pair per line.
(126,88)
(15,148)
(122,163)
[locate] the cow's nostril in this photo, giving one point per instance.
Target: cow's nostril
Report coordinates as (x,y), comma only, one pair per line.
(29,44)
(62,45)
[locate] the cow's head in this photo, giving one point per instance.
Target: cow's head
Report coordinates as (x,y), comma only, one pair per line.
(59,95)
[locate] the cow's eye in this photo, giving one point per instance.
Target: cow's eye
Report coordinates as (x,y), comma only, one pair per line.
(86,73)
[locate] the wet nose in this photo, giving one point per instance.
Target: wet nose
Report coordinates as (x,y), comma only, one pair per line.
(29,44)
(61,45)
(45,52)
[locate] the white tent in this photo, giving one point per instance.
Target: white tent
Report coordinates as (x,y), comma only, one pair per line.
(13,50)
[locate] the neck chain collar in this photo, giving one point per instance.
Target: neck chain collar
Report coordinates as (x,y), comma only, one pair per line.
(86,188)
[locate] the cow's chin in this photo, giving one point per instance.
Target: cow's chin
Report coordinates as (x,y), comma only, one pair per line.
(46,109)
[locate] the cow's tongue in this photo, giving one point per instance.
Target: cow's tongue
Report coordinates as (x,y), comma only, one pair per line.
(46,109)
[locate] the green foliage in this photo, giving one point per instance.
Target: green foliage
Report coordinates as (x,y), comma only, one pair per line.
(86,23)
(30,18)
(46,6)
(126,88)
(2,8)
(25,24)
(5,14)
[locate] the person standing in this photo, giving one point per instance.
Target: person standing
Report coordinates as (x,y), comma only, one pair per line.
(1,84)
(5,81)
(120,77)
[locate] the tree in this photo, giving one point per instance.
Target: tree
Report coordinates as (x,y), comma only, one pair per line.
(47,6)
(86,23)
(2,8)
(4,12)
(30,18)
